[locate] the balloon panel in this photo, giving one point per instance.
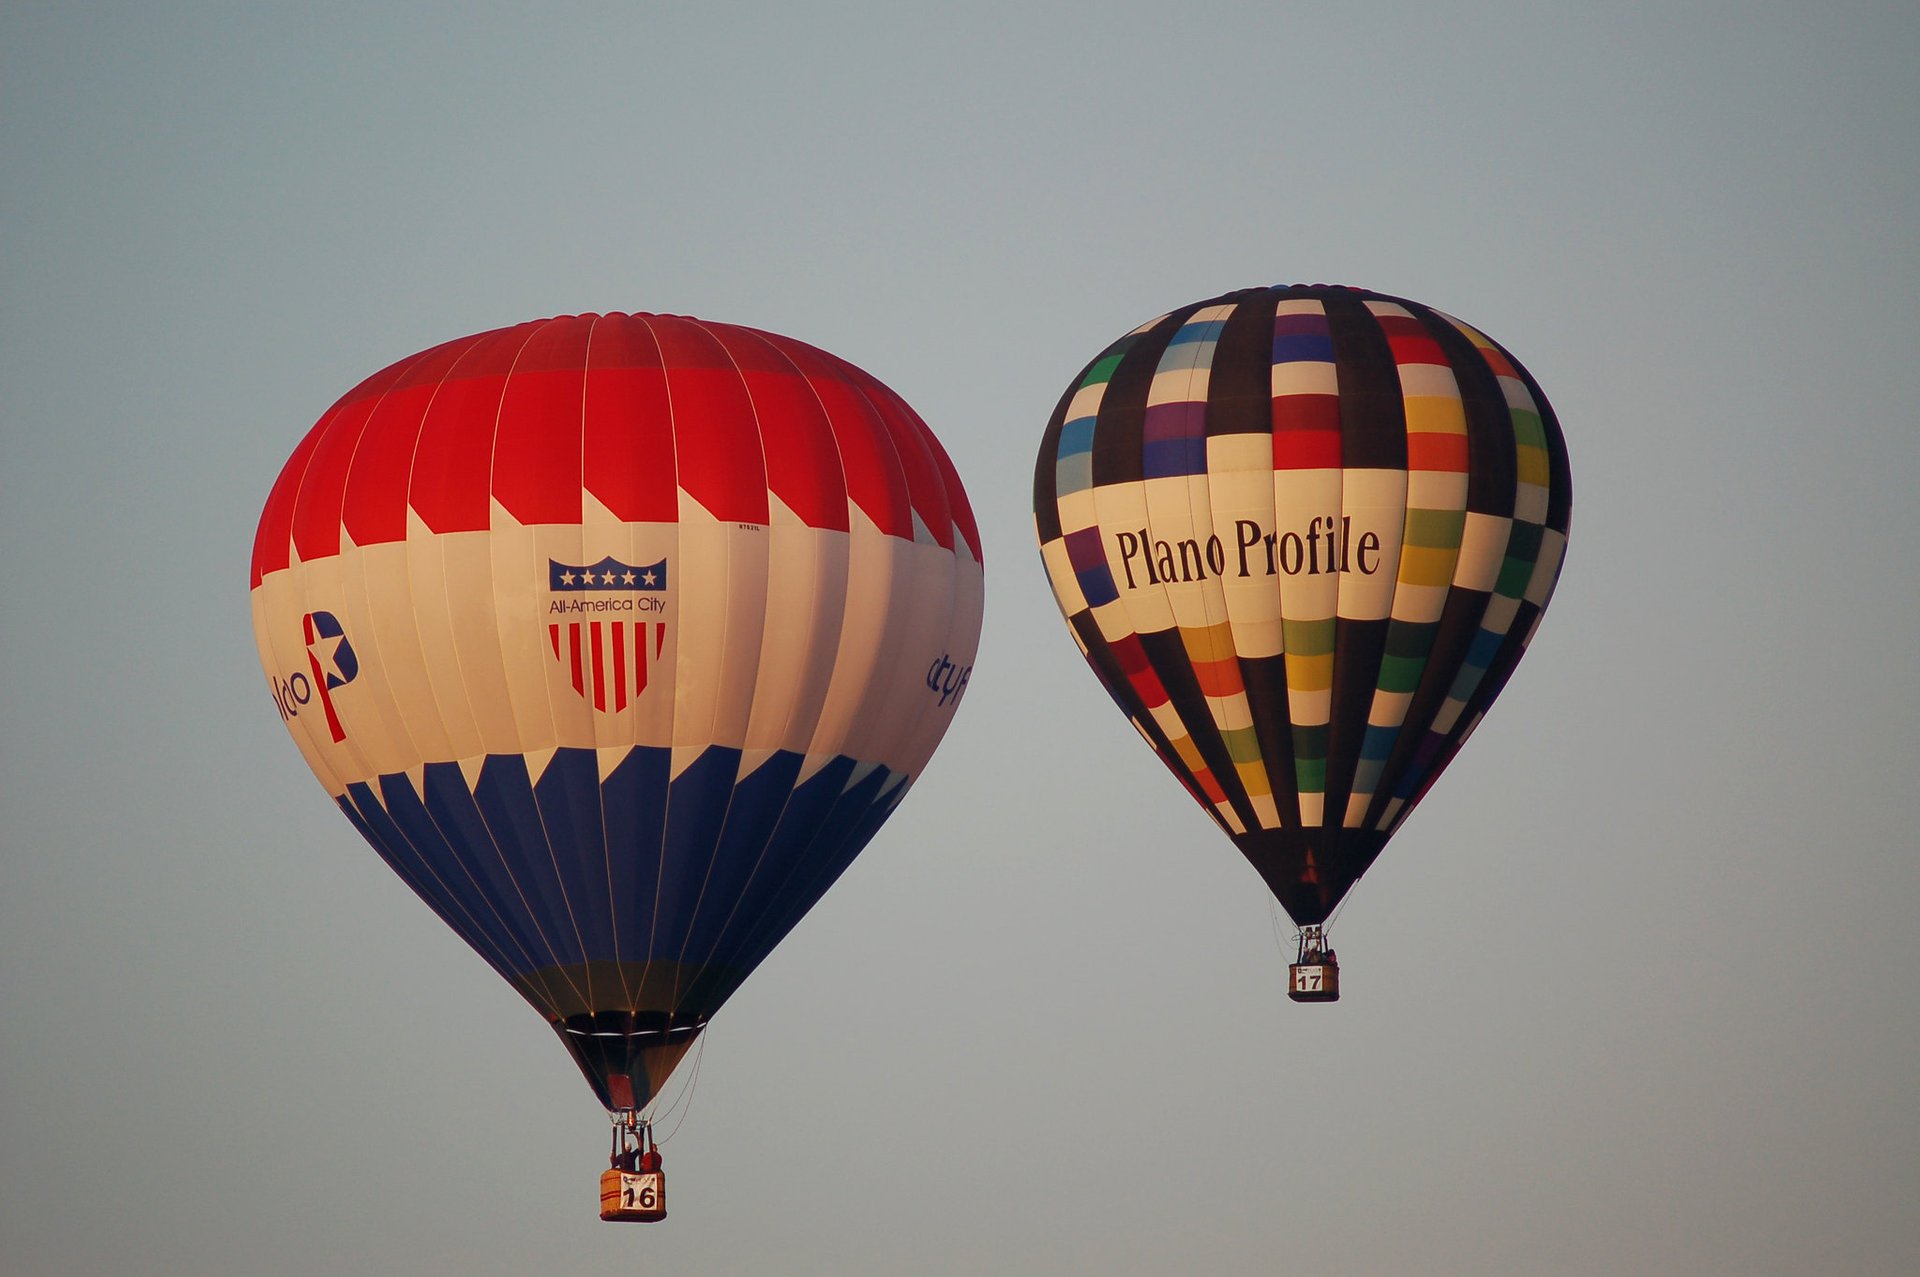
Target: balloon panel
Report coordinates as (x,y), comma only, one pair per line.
(1302,534)
(618,637)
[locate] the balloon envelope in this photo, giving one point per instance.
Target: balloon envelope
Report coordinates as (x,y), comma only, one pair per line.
(1302,534)
(618,636)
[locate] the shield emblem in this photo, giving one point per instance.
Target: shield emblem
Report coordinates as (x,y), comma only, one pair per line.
(601,626)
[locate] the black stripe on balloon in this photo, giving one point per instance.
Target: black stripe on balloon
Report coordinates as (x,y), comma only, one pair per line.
(1491,466)
(1265,678)
(1504,663)
(1357,649)
(1046,466)
(1168,655)
(1240,383)
(1373,435)
(1559,467)
(1373,418)
(1120,688)
(1119,430)
(1106,668)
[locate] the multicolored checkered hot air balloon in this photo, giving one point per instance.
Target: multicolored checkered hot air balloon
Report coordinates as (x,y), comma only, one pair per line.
(1302,534)
(618,636)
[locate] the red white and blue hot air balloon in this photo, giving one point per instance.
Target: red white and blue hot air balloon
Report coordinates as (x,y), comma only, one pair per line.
(618,637)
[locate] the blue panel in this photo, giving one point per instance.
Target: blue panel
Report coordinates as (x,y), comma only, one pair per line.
(1206,330)
(569,796)
(404,825)
(1161,458)
(752,816)
(808,806)
(467,842)
(1076,438)
(1485,646)
(696,808)
(1378,742)
(379,830)
(505,796)
(1291,348)
(633,805)
(815,855)
(709,869)
(1096,585)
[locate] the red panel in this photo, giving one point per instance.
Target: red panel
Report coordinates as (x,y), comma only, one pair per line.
(537,441)
(1433,451)
(925,487)
(316,510)
(451,467)
(716,439)
(1410,341)
(1130,653)
(316,501)
(1209,786)
(619,665)
(1148,687)
(803,462)
(374,507)
(1306,412)
(1416,350)
(628,447)
(1306,449)
(632,408)
(956,496)
(875,481)
(273,540)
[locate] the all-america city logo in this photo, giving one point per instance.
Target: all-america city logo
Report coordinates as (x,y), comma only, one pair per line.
(332,665)
(605,622)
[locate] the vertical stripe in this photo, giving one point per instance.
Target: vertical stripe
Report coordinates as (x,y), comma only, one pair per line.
(599,667)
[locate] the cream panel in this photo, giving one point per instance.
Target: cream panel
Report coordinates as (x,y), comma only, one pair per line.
(434,619)
(1483,547)
(1376,502)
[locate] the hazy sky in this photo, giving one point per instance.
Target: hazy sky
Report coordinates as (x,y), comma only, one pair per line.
(1637,990)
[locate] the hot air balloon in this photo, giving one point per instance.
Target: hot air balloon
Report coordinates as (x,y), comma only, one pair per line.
(618,637)
(1302,534)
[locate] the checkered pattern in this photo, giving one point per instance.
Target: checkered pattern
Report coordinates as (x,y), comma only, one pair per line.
(1302,534)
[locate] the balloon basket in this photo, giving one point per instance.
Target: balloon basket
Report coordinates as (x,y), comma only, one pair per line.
(1315,974)
(633,1196)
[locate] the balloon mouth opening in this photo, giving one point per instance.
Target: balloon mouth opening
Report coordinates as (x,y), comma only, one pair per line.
(627,1056)
(643,1028)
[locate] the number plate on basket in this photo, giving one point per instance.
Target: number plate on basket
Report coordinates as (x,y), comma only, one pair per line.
(640,1195)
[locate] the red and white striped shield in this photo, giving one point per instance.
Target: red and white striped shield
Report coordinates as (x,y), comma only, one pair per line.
(608,659)
(600,628)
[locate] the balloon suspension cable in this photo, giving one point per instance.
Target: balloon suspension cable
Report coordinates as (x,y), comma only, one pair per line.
(1279,931)
(686,1091)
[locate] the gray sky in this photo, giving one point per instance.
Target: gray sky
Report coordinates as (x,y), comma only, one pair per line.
(1636,991)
